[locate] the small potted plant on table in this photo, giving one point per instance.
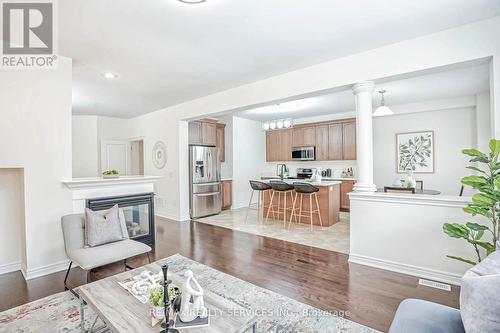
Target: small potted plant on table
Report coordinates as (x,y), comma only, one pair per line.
(110,174)
(156,300)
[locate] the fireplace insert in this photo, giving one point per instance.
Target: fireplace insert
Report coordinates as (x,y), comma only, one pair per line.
(139,214)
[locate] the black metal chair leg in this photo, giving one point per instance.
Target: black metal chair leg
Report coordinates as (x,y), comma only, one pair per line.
(149,258)
(66,279)
(88,275)
(126,265)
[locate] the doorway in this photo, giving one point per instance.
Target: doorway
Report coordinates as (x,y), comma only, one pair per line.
(125,156)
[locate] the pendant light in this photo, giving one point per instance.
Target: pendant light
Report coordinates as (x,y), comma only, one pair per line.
(382,110)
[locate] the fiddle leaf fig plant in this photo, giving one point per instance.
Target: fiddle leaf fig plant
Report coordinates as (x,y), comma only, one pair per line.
(486,202)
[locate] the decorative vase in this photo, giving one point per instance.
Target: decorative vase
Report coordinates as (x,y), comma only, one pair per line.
(410,180)
(158,312)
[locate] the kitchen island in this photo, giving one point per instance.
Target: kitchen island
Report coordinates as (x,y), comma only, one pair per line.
(328,199)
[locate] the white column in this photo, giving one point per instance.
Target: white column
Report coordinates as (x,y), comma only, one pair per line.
(364,134)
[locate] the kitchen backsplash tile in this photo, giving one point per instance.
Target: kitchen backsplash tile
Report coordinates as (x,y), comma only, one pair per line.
(269,169)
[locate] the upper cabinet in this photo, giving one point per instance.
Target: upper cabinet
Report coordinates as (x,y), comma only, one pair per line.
(334,140)
(208,132)
(203,132)
(278,145)
(221,140)
(195,137)
(335,145)
(303,136)
(349,141)
(322,135)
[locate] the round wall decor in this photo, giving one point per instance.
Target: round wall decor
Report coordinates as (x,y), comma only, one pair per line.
(159,155)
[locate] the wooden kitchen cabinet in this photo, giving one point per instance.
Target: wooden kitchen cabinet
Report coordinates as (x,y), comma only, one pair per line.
(278,145)
(272,146)
(335,142)
(195,133)
(209,133)
(345,188)
(203,132)
(285,138)
(349,141)
(220,138)
(227,194)
(322,143)
(303,136)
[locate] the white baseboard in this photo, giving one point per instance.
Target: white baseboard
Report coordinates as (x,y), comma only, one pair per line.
(45,270)
(417,271)
(10,267)
(174,217)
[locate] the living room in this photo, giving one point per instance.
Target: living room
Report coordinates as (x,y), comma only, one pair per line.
(118,100)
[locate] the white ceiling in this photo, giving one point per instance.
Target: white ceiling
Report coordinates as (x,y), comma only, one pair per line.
(166,52)
(441,85)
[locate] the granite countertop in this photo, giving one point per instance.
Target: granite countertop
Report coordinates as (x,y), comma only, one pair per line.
(322,183)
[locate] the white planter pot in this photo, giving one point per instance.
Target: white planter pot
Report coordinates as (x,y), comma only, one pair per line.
(158,312)
(498,246)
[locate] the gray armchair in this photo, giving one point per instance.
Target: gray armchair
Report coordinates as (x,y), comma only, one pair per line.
(88,258)
(479,305)
(419,316)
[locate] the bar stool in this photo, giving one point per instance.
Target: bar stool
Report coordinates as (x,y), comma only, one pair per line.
(279,187)
(308,190)
(262,188)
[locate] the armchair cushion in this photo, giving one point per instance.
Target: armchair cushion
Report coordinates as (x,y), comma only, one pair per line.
(97,256)
(418,316)
(480,296)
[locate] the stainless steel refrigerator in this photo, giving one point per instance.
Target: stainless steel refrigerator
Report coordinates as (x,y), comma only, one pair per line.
(204,181)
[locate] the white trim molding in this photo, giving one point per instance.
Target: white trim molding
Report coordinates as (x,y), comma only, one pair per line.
(78,183)
(398,267)
(10,267)
(182,218)
(412,199)
(45,270)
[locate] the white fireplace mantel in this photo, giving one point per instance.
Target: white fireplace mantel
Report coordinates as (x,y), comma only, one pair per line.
(100,182)
(91,188)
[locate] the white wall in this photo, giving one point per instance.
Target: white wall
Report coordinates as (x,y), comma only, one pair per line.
(249,155)
(36,127)
(86,149)
(454,130)
(11,219)
(483,121)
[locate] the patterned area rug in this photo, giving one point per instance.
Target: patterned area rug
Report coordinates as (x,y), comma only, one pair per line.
(60,312)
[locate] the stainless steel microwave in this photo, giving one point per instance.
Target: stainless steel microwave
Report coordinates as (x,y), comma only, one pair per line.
(304,153)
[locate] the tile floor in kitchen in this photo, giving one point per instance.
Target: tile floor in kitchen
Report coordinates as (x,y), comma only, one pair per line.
(333,238)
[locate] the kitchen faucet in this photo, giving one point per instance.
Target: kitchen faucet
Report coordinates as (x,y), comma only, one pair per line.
(283,168)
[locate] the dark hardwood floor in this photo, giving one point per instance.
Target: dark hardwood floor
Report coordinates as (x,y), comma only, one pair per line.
(317,277)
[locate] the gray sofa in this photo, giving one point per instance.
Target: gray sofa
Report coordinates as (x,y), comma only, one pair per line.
(479,306)
(88,258)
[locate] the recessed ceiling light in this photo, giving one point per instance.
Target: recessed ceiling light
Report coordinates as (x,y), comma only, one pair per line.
(110,76)
(192,1)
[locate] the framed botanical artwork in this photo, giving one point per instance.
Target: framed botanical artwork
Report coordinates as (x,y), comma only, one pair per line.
(415,152)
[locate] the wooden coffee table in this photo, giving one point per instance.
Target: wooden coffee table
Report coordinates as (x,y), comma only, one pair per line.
(122,312)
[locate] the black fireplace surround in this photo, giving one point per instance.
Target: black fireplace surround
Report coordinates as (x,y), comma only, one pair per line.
(140,227)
